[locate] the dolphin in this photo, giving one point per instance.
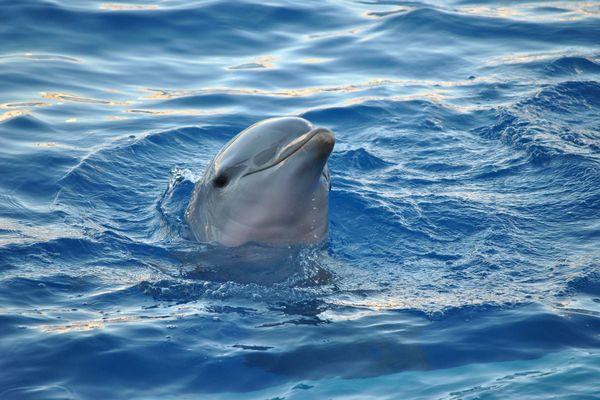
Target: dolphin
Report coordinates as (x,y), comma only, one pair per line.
(269,184)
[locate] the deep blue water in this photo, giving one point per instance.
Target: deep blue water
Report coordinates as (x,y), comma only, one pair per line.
(464,252)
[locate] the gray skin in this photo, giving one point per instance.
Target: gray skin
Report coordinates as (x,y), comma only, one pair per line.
(269,184)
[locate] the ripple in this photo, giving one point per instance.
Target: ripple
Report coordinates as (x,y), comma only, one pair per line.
(263,62)
(178,112)
(523,127)
(360,159)
(16,232)
(78,99)
(42,57)
(13,114)
(129,7)
(25,104)
(39,392)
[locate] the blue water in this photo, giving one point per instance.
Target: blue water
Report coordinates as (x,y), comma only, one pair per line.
(464,252)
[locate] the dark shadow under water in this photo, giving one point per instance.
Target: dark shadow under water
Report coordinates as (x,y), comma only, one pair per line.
(256,263)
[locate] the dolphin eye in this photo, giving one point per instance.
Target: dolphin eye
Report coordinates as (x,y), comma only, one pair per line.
(221,181)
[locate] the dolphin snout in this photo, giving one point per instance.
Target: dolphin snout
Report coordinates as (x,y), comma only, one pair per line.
(323,140)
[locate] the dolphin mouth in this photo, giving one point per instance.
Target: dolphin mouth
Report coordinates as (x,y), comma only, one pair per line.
(327,141)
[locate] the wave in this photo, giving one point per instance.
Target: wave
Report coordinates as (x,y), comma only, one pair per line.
(140,31)
(433,21)
(557,121)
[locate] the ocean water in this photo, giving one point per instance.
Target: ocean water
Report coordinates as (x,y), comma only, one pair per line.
(464,250)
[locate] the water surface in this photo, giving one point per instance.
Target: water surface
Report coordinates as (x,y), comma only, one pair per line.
(463,256)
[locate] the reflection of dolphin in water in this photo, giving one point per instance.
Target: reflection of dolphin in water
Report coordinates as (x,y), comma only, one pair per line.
(269,184)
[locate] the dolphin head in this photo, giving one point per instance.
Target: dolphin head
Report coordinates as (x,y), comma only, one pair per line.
(269,184)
